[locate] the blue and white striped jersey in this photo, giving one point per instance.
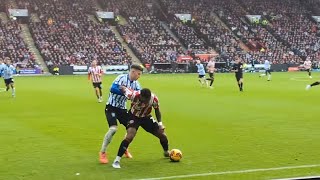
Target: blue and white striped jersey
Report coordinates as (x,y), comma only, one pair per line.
(201,69)
(8,72)
(116,97)
(2,65)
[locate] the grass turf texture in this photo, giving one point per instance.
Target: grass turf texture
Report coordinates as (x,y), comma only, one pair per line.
(53,129)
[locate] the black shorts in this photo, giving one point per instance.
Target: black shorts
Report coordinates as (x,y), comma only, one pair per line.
(268,71)
(201,76)
(308,70)
(147,123)
(8,81)
(113,113)
(211,75)
(97,85)
(239,76)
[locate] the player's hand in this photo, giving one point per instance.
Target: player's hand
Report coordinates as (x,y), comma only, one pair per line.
(122,88)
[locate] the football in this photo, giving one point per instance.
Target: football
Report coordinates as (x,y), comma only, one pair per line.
(175,155)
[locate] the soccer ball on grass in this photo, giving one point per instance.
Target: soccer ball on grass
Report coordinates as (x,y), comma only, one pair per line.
(175,155)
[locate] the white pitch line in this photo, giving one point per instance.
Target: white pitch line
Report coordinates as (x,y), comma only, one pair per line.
(304,79)
(297,178)
(232,172)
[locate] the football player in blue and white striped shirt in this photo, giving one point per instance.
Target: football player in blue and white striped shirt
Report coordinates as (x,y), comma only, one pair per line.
(267,67)
(7,73)
(116,106)
(202,73)
(2,65)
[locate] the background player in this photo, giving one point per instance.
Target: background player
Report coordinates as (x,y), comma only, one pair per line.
(211,69)
(140,115)
(238,69)
(8,72)
(2,66)
(308,65)
(201,72)
(267,66)
(95,73)
(116,107)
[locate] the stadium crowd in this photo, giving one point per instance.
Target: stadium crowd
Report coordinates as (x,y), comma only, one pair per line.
(66,35)
(13,46)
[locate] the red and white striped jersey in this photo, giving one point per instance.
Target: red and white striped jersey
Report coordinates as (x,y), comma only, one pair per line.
(211,66)
(307,64)
(94,73)
(138,108)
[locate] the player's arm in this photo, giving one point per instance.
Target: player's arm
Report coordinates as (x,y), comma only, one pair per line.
(89,74)
(156,108)
(100,72)
(129,93)
(158,115)
(115,87)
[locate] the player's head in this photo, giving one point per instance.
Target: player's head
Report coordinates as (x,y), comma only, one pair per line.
(135,72)
(145,95)
(94,63)
(237,59)
(1,60)
(8,61)
(198,61)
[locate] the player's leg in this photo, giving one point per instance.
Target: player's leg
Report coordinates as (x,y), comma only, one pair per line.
(211,79)
(201,79)
(131,133)
(7,83)
(152,127)
(110,113)
(98,92)
(313,84)
(123,118)
(240,82)
(13,88)
(309,73)
(269,74)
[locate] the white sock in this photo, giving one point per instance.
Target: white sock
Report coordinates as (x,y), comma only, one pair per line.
(13,91)
(269,77)
(118,158)
(107,138)
(262,74)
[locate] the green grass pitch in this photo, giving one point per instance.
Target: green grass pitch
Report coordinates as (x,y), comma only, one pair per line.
(54,127)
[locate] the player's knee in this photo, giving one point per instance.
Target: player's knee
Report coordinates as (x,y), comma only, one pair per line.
(131,133)
(113,129)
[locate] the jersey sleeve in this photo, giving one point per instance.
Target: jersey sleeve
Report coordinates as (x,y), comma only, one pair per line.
(100,70)
(131,94)
(155,103)
(119,80)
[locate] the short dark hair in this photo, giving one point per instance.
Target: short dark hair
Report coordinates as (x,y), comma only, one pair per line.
(145,93)
(137,66)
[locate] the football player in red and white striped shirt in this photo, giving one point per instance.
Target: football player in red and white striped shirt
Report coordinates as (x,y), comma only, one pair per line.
(142,103)
(307,65)
(95,75)
(211,69)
